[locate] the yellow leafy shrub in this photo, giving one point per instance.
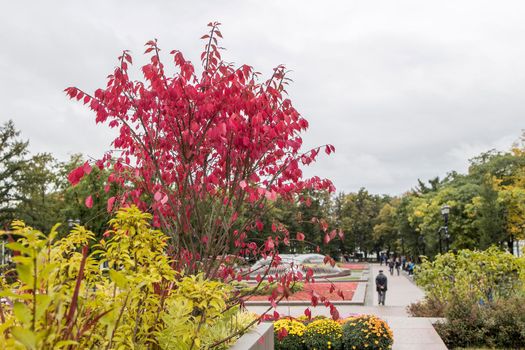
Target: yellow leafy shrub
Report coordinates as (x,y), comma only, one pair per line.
(119,293)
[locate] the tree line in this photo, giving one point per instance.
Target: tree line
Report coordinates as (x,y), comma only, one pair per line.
(487,205)
(487,208)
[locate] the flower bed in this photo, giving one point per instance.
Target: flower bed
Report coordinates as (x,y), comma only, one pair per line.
(322,289)
(354,266)
(358,332)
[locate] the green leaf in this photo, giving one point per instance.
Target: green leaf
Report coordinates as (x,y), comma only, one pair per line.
(25,274)
(44,273)
(18,247)
(42,303)
(119,278)
(24,336)
(53,233)
(22,313)
(8,294)
(63,343)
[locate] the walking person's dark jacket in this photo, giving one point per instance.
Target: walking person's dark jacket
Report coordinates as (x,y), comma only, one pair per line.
(381,280)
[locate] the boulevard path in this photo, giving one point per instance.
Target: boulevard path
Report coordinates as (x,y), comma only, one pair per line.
(410,333)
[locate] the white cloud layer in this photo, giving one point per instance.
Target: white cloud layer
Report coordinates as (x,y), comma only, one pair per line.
(403,89)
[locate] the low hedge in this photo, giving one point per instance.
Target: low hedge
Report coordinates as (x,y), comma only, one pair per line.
(500,324)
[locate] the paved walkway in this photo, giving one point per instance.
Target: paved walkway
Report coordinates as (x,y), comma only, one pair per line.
(401,290)
(410,333)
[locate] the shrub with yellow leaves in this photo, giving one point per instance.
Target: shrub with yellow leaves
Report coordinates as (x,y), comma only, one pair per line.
(119,293)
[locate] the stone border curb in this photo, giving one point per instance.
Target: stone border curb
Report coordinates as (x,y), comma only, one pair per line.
(252,339)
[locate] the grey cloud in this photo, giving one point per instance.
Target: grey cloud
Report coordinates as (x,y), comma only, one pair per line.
(404,89)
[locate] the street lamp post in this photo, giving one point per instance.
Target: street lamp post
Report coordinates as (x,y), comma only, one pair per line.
(445,210)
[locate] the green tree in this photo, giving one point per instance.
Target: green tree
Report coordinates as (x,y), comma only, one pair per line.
(386,230)
(13,152)
(40,199)
(358,211)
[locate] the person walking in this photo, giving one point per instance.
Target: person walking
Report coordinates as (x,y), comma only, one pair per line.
(398,265)
(391,266)
(411,268)
(381,287)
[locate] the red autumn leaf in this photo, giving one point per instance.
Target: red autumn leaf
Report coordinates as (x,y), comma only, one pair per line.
(334,312)
(89,201)
(340,293)
(323,224)
(282,333)
(314,299)
(76,175)
(269,244)
(87,168)
(309,273)
(308,313)
(111,201)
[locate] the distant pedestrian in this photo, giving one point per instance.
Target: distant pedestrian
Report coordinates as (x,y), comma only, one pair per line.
(391,266)
(398,265)
(411,268)
(381,287)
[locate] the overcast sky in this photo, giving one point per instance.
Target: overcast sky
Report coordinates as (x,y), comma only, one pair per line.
(402,89)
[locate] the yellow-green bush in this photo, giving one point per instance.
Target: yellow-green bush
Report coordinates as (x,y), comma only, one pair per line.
(483,275)
(64,299)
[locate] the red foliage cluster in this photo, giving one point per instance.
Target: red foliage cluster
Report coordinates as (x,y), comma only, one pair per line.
(201,150)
